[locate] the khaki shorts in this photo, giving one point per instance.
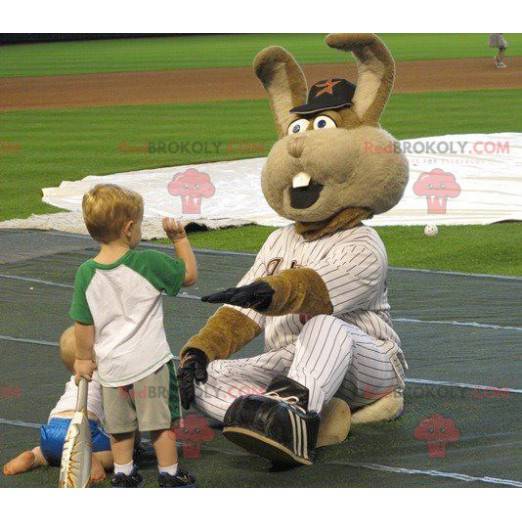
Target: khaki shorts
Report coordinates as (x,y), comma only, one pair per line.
(150,404)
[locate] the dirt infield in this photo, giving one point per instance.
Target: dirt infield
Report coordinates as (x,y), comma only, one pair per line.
(200,85)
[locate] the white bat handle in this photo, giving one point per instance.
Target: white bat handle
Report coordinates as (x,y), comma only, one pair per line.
(81,402)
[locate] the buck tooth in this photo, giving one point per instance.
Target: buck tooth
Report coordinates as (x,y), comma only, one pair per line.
(301,180)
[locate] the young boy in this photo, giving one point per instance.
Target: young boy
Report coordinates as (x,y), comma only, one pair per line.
(52,434)
(118,311)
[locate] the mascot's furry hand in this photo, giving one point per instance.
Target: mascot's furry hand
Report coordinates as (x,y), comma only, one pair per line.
(257,295)
(193,368)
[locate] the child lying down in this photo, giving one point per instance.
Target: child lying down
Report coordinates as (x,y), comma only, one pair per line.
(52,434)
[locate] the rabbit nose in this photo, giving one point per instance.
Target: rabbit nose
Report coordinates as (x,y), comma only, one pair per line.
(295,146)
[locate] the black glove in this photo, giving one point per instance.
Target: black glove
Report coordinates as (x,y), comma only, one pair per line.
(193,368)
(257,295)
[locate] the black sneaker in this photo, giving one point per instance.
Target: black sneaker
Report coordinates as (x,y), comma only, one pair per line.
(276,425)
(182,479)
(134,480)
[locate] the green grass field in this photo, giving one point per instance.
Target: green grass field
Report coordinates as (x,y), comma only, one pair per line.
(473,249)
(164,53)
(42,148)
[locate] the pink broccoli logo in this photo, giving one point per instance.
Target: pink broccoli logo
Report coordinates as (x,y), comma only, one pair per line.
(438,432)
(191,186)
(7,392)
(437,186)
(193,431)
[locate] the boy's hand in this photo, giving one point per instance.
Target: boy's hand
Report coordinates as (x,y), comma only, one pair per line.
(83,369)
(176,233)
(174,229)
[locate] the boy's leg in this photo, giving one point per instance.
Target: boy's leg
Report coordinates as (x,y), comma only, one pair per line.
(157,407)
(26,461)
(164,442)
(102,461)
(97,470)
(122,445)
(39,459)
(126,474)
(121,423)
(105,459)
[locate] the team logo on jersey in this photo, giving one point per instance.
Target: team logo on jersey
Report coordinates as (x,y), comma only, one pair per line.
(273,265)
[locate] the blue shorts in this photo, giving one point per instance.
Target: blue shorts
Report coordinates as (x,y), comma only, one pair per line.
(52,438)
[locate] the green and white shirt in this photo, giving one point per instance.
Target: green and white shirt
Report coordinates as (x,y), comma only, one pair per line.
(123,302)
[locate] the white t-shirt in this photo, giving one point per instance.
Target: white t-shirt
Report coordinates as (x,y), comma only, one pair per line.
(67,402)
(123,302)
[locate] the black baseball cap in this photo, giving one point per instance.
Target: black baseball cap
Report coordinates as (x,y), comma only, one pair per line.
(327,94)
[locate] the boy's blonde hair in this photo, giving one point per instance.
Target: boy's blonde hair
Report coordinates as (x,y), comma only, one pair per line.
(107,208)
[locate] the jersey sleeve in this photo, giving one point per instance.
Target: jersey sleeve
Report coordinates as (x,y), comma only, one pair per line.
(354,275)
(79,310)
(164,272)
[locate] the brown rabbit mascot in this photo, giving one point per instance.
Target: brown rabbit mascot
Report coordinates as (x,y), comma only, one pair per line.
(317,287)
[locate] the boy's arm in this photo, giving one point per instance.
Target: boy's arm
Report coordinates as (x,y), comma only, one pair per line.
(184,251)
(83,326)
(84,364)
(176,233)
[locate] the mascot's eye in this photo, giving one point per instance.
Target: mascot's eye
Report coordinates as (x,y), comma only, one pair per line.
(298,126)
(324,122)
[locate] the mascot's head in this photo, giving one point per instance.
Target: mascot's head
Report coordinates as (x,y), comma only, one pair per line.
(332,154)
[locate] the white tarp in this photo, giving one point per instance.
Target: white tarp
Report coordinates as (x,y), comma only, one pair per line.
(456,179)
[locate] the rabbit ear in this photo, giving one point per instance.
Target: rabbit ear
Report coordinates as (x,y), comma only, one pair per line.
(284,82)
(376,72)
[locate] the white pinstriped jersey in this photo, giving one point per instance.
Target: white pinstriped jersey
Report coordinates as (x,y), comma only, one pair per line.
(352,263)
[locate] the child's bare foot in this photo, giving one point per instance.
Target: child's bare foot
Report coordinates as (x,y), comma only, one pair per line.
(97,471)
(24,462)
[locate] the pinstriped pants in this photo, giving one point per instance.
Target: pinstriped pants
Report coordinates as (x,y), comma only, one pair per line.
(330,357)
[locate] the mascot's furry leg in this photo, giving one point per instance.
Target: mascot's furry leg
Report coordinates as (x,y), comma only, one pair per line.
(335,423)
(337,419)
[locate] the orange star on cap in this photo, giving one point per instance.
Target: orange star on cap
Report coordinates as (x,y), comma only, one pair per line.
(327,87)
